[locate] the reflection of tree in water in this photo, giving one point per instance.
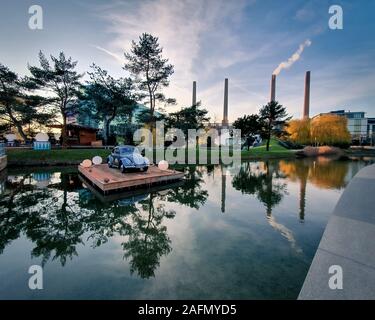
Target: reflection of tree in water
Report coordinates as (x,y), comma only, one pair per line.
(263,181)
(11,219)
(191,192)
(323,172)
(147,237)
(58,218)
(49,217)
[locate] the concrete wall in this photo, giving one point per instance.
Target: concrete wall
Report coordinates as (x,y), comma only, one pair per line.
(347,242)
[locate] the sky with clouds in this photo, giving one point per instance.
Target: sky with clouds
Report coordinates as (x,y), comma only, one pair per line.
(209,40)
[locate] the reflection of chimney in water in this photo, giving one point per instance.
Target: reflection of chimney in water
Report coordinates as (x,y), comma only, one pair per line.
(223,189)
(225,114)
(194,101)
(302,199)
(273,88)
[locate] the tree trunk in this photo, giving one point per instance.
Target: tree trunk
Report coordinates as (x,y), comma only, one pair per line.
(106,128)
(20,131)
(151,103)
(268,137)
(17,124)
(105,131)
(64,133)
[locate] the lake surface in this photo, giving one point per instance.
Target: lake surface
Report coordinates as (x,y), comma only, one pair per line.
(221,234)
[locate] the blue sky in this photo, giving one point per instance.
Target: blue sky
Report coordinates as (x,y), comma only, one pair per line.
(209,40)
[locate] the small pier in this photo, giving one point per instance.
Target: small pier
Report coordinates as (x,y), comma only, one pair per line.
(112,180)
(130,196)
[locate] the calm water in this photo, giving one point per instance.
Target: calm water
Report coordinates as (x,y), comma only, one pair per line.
(249,235)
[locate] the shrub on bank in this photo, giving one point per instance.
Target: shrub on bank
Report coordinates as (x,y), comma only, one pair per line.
(321,151)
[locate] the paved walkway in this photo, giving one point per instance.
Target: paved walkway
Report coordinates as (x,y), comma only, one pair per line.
(349,242)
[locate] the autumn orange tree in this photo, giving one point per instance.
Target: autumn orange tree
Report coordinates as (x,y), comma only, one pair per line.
(299,131)
(330,129)
(327,129)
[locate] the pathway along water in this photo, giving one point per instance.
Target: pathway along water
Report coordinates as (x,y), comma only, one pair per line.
(344,264)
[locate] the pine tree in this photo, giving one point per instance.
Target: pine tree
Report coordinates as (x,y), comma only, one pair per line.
(273,114)
(62,81)
(18,106)
(107,97)
(150,71)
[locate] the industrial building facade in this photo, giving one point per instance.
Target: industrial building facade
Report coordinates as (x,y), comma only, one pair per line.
(361,128)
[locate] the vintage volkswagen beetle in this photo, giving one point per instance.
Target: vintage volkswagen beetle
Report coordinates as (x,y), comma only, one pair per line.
(127,158)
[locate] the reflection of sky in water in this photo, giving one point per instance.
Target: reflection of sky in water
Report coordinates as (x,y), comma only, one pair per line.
(246,235)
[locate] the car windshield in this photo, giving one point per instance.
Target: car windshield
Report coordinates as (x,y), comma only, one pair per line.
(129,149)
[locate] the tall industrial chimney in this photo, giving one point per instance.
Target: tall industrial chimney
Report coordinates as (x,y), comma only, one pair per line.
(194,101)
(306,105)
(225,115)
(273,87)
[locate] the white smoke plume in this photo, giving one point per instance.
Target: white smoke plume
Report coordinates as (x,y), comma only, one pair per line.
(295,57)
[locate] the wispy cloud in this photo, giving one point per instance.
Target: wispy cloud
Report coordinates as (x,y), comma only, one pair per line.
(305,14)
(295,57)
(117,57)
(210,40)
(187,31)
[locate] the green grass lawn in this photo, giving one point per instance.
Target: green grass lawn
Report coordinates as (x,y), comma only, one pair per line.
(21,157)
(275,150)
(54,156)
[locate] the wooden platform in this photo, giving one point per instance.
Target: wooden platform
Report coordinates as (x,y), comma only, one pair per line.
(110,179)
(129,195)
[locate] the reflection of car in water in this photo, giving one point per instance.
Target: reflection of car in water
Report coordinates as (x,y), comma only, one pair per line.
(127,158)
(132,200)
(136,194)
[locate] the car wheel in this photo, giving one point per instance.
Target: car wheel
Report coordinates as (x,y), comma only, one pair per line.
(122,168)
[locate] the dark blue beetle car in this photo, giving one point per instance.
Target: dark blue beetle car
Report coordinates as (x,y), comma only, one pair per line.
(127,158)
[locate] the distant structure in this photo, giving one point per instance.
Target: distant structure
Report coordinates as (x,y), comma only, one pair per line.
(306,104)
(194,99)
(273,88)
(225,114)
(361,128)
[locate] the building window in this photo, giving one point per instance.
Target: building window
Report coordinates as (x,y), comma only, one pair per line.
(357,126)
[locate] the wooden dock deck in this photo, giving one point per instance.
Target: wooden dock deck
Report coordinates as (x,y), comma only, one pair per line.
(110,179)
(128,194)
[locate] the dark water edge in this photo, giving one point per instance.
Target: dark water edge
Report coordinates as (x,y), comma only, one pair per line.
(225,233)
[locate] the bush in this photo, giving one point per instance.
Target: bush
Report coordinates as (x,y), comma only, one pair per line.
(321,151)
